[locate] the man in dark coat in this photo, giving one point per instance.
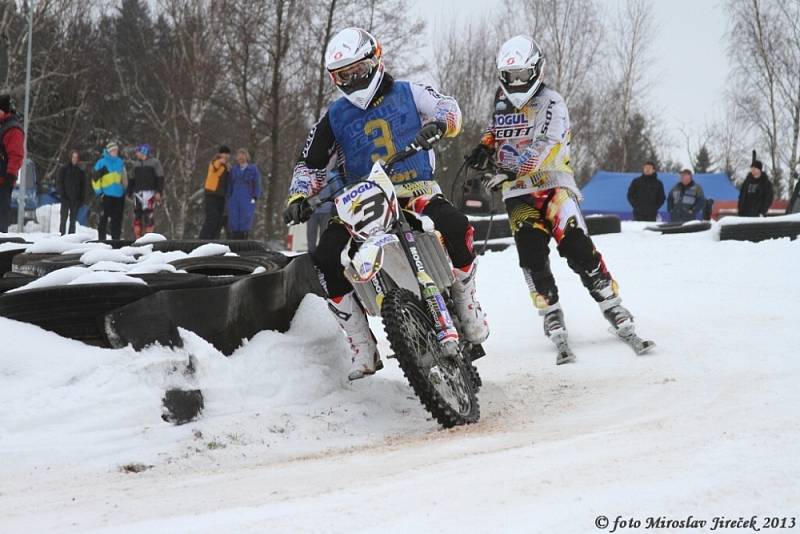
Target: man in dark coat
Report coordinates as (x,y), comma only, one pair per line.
(71,184)
(755,196)
(686,199)
(646,194)
(12,153)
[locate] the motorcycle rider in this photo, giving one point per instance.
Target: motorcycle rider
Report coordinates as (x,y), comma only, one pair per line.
(376,117)
(528,145)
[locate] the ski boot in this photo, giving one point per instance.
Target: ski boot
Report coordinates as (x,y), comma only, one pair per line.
(556,331)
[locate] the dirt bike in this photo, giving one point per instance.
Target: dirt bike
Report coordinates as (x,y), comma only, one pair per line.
(402,273)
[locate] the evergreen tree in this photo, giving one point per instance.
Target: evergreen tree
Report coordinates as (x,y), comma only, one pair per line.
(702,160)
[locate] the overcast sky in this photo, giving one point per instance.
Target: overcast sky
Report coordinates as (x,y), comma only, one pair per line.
(691,63)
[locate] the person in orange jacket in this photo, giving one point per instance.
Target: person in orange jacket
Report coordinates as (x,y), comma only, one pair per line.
(215,187)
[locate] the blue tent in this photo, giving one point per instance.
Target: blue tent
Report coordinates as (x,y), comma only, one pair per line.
(607,192)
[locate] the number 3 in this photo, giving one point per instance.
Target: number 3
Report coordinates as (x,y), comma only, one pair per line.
(384,140)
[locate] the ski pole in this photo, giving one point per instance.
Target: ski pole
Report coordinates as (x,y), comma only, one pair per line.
(488,232)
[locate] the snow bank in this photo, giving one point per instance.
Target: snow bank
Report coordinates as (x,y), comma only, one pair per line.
(95,256)
(58,277)
(151,268)
(112,266)
(97,277)
(732,220)
(62,246)
(149,238)
(210,249)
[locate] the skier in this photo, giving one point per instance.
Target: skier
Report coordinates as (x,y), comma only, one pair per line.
(528,146)
(375,117)
(146,184)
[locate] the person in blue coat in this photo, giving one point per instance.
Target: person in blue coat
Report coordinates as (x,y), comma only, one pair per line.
(244,189)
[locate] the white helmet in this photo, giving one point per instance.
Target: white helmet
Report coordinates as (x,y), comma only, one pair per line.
(353,60)
(520,63)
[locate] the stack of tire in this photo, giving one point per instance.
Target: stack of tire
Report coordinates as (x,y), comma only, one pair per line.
(491,228)
(761,231)
(77,311)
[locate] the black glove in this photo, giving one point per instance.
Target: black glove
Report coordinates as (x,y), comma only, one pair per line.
(298,211)
(430,134)
(478,159)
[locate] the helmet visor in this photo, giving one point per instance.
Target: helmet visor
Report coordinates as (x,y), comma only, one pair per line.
(356,74)
(518,77)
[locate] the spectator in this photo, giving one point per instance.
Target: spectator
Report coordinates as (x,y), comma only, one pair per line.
(646,194)
(216,186)
(686,199)
(109,183)
(755,196)
(322,215)
(794,200)
(12,153)
(244,188)
(146,186)
(71,187)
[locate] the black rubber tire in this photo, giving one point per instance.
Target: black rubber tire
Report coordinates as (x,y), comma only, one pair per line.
(71,311)
(188,245)
(25,263)
(115,243)
(181,406)
(277,258)
(7,284)
(681,228)
(499,228)
(168,281)
(603,224)
(12,274)
(399,308)
(760,231)
(5,259)
(225,265)
(47,266)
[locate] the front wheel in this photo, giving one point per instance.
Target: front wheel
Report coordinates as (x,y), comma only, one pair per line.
(442,383)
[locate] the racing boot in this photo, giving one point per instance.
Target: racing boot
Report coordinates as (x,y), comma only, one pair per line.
(553,321)
(474,326)
(365,359)
(604,290)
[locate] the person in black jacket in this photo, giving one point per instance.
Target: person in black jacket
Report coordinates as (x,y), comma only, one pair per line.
(146,187)
(686,199)
(646,194)
(71,185)
(755,196)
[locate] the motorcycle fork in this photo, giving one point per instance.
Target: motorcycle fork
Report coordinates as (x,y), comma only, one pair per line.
(446,331)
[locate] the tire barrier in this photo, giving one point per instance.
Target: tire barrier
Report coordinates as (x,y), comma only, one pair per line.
(71,311)
(680,228)
(760,231)
(25,262)
(227,265)
(223,315)
(188,245)
(181,406)
(499,227)
(603,224)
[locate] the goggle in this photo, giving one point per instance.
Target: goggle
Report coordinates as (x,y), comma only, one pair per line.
(355,72)
(517,77)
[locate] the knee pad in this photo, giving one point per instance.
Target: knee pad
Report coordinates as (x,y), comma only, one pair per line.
(578,249)
(532,248)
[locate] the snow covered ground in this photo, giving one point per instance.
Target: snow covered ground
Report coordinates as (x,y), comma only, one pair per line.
(705,425)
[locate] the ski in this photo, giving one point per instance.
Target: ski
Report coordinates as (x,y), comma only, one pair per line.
(639,345)
(565,354)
